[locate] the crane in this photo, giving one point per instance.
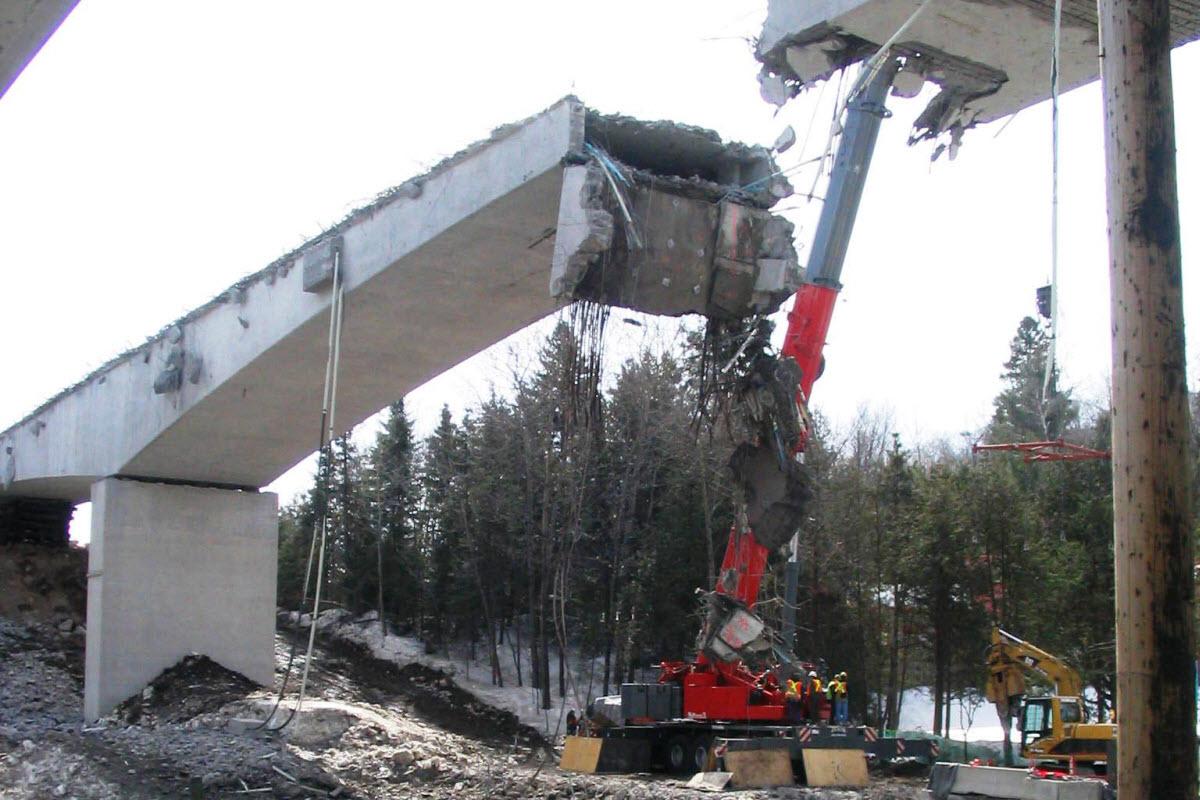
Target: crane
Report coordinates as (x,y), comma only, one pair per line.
(1054,729)
(733,688)
(718,685)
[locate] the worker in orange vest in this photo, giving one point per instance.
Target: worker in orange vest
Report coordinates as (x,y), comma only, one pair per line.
(814,690)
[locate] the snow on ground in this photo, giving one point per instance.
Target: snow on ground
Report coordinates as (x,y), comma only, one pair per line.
(974,719)
(584,676)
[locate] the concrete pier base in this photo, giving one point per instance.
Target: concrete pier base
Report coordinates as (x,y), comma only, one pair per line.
(175,570)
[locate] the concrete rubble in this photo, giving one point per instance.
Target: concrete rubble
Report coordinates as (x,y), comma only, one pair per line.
(667,219)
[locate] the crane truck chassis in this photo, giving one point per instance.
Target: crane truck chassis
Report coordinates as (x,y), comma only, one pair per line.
(686,746)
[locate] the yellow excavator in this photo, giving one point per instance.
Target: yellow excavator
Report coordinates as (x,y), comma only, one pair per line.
(1054,728)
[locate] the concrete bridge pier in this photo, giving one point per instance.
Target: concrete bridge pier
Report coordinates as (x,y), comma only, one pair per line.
(174,570)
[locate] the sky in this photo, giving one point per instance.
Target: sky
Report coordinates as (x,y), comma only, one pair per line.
(154,153)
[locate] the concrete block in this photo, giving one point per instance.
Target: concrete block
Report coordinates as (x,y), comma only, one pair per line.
(662,248)
(948,780)
(175,570)
(318,264)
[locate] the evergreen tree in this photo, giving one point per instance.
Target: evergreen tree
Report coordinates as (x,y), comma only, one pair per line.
(1022,413)
(400,556)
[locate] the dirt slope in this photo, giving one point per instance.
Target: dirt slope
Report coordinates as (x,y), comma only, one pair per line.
(371,729)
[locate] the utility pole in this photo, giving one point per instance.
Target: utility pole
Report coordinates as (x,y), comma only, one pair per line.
(1151,503)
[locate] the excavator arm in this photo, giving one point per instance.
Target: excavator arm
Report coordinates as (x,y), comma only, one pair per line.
(1010,659)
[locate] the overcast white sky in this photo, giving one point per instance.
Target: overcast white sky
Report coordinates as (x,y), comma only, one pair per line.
(155,152)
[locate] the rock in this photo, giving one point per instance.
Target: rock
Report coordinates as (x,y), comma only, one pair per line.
(317,727)
(403,758)
(66,626)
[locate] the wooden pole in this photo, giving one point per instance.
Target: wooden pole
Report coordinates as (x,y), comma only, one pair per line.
(1151,495)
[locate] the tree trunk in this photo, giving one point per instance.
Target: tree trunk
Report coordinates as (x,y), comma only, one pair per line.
(891,717)
(515,642)
(562,671)
(1006,745)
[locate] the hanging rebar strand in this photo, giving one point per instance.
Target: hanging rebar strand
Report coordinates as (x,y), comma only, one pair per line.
(1048,384)
(328,407)
(339,294)
(322,481)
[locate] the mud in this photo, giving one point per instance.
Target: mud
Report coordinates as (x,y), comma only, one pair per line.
(44,584)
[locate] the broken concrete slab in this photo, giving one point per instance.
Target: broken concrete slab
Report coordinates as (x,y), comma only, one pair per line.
(710,781)
(990,58)
(669,220)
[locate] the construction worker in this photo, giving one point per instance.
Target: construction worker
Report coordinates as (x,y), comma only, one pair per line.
(841,701)
(793,699)
(813,690)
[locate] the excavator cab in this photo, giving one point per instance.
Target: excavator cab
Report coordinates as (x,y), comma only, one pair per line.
(1047,718)
(1037,720)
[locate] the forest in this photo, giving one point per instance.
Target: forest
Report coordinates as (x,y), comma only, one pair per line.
(552,520)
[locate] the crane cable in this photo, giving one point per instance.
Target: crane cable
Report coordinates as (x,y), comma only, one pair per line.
(1048,379)
(328,409)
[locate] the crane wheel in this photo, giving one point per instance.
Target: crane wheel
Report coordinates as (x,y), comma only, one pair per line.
(701,746)
(678,755)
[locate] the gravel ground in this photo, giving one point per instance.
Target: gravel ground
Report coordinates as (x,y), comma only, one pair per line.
(372,730)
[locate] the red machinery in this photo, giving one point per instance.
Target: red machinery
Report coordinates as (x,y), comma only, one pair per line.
(718,685)
(1054,450)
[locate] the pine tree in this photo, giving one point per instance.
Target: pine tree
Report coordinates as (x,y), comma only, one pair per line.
(1022,413)
(400,557)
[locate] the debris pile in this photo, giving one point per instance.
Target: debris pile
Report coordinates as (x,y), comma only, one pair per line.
(196,685)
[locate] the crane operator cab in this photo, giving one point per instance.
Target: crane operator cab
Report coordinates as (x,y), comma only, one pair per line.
(1047,718)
